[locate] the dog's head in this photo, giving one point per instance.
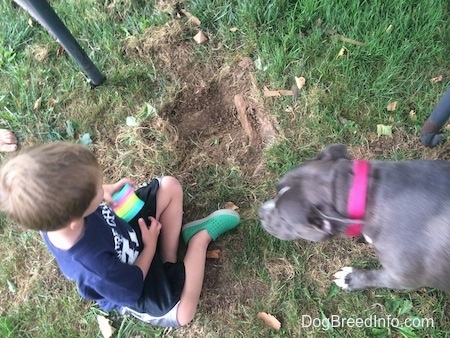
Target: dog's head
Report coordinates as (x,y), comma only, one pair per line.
(303,206)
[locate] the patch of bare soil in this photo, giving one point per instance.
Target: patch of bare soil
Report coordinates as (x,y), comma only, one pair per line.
(214,107)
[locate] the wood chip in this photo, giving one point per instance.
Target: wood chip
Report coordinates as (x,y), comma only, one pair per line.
(281,92)
(269,320)
(191,18)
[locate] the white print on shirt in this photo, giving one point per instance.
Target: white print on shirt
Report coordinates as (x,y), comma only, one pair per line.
(125,253)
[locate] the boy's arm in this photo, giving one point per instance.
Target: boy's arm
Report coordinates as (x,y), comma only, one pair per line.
(150,236)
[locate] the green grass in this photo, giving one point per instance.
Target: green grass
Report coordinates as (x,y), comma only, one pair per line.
(343,101)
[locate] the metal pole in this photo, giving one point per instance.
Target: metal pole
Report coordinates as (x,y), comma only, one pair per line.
(429,134)
(47,17)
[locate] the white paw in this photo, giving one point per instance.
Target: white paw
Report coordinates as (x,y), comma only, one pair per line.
(341,275)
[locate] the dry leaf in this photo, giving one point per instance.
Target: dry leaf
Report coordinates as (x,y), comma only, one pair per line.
(391,106)
(37,104)
(269,320)
(343,38)
(412,115)
(200,37)
(342,52)
(191,18)
(231,205)
(30,22)
(105,326)
(389,29)
(300,82)
(436,79)
(391,119)
(213,254)
(447,127)
(234,29)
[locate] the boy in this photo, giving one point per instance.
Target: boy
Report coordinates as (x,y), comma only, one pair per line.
(57,189)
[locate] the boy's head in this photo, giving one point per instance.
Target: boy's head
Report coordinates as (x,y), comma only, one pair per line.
(47,186)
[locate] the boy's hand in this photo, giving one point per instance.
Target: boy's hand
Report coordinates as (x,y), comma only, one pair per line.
(150,233)
(110,189)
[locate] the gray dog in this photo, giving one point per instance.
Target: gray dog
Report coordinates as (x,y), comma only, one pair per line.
(402,208)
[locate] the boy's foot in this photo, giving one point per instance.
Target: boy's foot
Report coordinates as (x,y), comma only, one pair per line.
(8,141)
(216,224)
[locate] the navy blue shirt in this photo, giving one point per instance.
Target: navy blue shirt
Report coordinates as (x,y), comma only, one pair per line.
(101,262)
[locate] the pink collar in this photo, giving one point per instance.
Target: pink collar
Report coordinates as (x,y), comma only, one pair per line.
(356,205)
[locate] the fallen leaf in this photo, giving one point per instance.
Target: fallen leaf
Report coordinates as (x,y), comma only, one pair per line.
(37,104)
(447,127)
(412,115)
(231,205)
(105,326)
(11,286)
(391,106)
(200,38)
(213,254)
(389,29)
(191,18)
(131,121)
(234,29)
(342,52)
(353,42)
(300,82)
(30,22)
(85,139)
(383,130)
(436,79)
(391,119)
(269,320)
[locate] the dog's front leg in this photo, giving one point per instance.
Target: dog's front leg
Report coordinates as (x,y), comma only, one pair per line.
(351,279)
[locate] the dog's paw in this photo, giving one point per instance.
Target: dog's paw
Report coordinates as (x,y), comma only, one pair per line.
(342,278)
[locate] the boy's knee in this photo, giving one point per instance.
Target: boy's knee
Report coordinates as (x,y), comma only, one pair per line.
(171,183)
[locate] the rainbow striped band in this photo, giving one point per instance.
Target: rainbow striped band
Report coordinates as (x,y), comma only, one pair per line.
(127,204)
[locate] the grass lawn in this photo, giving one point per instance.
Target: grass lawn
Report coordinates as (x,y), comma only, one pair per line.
(172,106)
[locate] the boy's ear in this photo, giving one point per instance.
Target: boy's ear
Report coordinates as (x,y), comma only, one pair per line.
(75,223)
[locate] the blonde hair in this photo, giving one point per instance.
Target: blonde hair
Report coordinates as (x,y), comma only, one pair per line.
(47,186)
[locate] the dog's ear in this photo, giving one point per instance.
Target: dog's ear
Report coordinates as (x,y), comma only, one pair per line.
(333,152)
(326,219)
(315,219)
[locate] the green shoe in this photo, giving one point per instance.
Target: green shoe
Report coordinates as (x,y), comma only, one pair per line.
(216,224)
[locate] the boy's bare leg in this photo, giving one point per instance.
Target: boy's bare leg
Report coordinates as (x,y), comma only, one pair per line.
(169,212)
(194,263)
